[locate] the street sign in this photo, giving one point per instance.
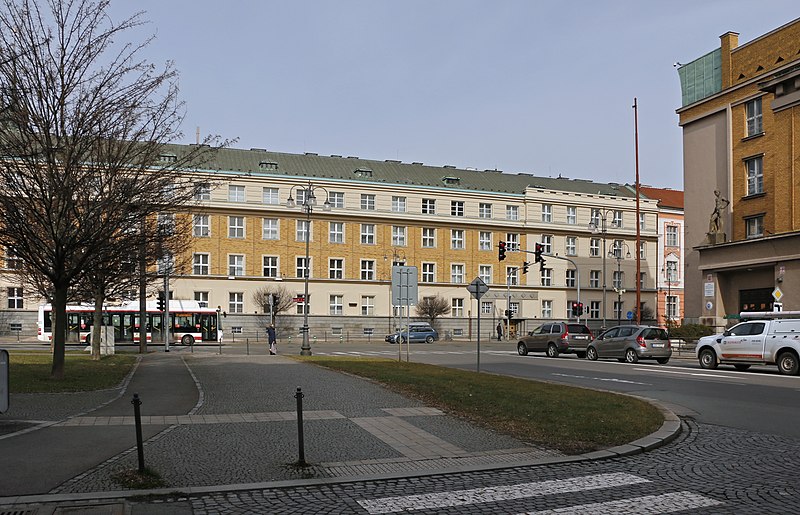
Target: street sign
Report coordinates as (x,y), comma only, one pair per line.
(404,285)
(629,314)
(777,294)
(299,299)
(477,288)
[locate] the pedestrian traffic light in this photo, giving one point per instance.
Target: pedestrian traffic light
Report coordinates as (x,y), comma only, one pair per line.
(161,301)
(501,250)
(525,266)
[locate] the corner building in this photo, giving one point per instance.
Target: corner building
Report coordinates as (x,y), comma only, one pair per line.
(741,137)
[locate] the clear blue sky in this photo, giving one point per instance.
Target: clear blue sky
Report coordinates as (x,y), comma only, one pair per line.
(542,87)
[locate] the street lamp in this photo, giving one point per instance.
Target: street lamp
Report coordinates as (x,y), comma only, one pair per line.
(601,216)
(670,274)
(306,204)
(616,253)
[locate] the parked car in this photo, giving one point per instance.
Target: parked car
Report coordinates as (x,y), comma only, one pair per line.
(630,343)
(768,341)
(418,331)
(556,338)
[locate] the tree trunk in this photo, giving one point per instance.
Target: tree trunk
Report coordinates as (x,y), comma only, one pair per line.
(97,324)
(59,330)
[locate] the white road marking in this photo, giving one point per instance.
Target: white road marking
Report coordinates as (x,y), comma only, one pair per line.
(498,493)
(698,374)
(607,379)
(650,504)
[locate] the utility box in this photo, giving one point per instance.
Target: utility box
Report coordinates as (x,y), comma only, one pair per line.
(107,341)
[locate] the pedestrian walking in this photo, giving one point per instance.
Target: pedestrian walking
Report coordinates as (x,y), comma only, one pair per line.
(499,331)
(271,339)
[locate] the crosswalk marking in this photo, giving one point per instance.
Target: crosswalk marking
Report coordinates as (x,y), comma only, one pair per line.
(650,504)
(498,493)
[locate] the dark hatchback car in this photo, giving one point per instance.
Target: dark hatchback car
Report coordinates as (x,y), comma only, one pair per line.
(556,338)
(630,343)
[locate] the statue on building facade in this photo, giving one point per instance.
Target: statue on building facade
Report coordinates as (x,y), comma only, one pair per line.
(715,234)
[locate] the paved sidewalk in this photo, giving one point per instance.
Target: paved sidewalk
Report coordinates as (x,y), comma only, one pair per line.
(215,423)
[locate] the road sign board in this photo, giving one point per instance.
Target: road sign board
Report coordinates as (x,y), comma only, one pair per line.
(777,294)
(477,288)
(404,285)
(629,314)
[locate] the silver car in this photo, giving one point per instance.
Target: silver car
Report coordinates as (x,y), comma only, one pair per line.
(630,343)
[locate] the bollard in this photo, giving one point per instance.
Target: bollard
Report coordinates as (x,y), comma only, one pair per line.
(299,397)
(247,342)
(138,418)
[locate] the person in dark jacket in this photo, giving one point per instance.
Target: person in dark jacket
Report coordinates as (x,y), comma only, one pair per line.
(271,339)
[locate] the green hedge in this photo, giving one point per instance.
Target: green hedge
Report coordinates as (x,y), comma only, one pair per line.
(691,332)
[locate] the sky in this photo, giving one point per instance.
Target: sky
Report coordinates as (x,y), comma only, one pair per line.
(537,86)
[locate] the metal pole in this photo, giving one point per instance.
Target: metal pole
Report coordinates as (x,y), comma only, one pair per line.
(305,348)
(408,314)
(167,323)
(300,444)
(137,415)
(479,334)
(603,221)
(508,303)
(638,224)
(619,290)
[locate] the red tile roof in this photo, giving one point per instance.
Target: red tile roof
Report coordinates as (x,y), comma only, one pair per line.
(665,196)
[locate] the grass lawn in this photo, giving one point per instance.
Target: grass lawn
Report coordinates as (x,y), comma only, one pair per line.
(29,372)
(572,420)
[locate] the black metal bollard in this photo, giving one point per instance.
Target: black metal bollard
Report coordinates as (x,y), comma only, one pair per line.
(300,445)
(247,341)
(137,415)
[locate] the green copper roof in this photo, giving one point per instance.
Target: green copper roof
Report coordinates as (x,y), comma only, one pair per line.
(701,78)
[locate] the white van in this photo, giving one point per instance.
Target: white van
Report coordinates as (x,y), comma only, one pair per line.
(764,338)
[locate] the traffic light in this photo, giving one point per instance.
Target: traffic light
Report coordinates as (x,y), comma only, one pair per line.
(577,309)
(501,250)
(161,301)
(538,253)
(525,266)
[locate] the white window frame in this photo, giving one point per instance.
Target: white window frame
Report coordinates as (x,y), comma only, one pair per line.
(201,226)
(428,206)
(236,227)
(235,265)
(367,305)
(569,278)
(512,275)
(300,266)
(457,273)
(398,204)
(594,247)
(485,240)
(367,270)
(269,266)
(428,273)
(301,226)
(547,213)
(512,241)
(755,175)
(571,246)
(428,237)
(367,202)
(594,278)
(457,239)
(457,208)
(270,196)
(202,191)
(336,199)
(546,276)
(335,268)
(754,226)
(673,235)
(485,273)
(201,263)
(572,215)
(399,235)
(547,309)
(547,244)
(512,212)
(336,304)
(368,234)
(754,117)
(457,307)
(236,302)
(336,232)
(484,210)
(270,229)
(236,193)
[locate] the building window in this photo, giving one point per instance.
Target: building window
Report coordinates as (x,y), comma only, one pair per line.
(572,215)
(618,308)
(594,278)
(594,247)
(428,206)
(617,220)
(754,226)
(200,264)
(594,309)
(485,273)
(335,268)
(547,276)
(428,237)
(512,212)
(457,308)
(642,222)
(672,236)
(13,262)
(547,244)
(754,119)
(300,267)
(269,229)
(514,307)
(512,275)
(642,248)
(302,230)
(236,302)
(428,272)
(642,280)
(270,196)
(202,298)
(512,242)
(569,279)
(367,270)
(486,308)
(336,198)
(367,202)
(367,305)
(15,298)
(336,305)
(485,240)
(235,193)
(368,234)
(398,236)
(399,204)
(236,265)
(755,175)
(304,305)
(595,218)
(166,223)
(457,274)
(201,226)
(336,232)
(672,272)
(269,266)
(547,213)
(672,306)
(235,227)
(202,191)
(456,208)
(484,210)
(457,239)
(547,309)
(619,279)
(572,245)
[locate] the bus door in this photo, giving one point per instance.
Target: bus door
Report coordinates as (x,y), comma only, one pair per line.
(208,326)
(124,327)
(156,330)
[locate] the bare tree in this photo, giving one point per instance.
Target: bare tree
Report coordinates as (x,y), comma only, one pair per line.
(432,308)
(282,299)
(84,128)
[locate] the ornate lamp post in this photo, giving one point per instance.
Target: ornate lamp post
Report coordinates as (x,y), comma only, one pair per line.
(306,204)
(600,215)
(616,253)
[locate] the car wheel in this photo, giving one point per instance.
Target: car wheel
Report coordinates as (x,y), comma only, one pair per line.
(187,339)
(631,356)
(402,339)
(662,361)
(591,354)
(522,350)
(741,367)
(788,364)
(429,339)
(552,351)
(708,359)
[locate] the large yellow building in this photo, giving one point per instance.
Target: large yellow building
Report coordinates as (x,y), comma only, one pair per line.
(447,222)
(740,122)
